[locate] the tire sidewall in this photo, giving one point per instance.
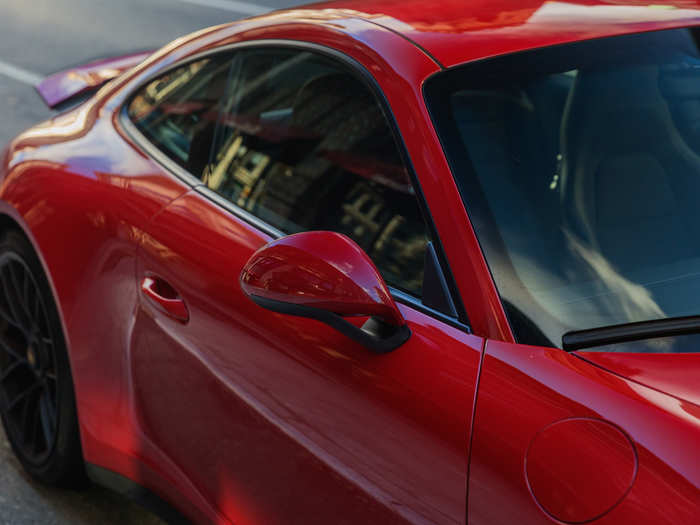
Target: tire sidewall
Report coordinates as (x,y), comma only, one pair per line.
(64,466)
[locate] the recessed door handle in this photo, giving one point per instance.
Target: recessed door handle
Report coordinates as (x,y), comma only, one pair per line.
(165,298)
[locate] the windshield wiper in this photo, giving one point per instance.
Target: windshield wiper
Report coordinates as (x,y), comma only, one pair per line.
(621,333)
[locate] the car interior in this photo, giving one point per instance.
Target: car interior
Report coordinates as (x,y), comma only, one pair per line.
(591,175)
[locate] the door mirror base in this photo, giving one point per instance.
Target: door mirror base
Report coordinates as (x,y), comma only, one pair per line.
(375,334)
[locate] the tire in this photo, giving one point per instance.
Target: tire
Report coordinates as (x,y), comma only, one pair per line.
(37,399)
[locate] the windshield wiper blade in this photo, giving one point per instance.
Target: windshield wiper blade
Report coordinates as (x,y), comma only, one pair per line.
(621,333)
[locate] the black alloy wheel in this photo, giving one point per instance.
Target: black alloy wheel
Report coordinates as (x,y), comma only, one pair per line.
(37,404)
(28,381)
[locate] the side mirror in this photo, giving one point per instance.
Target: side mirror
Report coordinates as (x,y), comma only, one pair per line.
(326,276)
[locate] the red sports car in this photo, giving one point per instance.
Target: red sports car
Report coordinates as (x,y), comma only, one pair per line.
(368,262)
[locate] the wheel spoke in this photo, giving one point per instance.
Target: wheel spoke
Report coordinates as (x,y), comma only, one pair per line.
(5,347)
(37,303)
(8,316)
(14,366)
(19,289)
(47,418)
(25,293)
(44,349)
(52,410)
(23,395)
(15,320)
(47,341)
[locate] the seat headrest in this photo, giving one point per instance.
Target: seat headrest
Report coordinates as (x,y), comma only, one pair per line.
(323,94)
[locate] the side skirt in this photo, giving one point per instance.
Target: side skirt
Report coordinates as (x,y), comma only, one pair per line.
(135,492)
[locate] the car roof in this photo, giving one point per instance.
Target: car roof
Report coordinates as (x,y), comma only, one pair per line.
(458,31)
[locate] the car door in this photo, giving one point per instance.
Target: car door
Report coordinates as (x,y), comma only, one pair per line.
(282,419)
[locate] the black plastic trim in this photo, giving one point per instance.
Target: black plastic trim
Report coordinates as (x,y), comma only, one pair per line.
(375,334)
(461,319)
(409,300)
(626,332)
(135,492)
(436,294)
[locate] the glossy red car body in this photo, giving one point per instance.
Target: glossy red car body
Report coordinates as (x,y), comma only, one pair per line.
(242,415)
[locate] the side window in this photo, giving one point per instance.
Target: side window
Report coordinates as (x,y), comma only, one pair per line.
(177,112)
(304,145)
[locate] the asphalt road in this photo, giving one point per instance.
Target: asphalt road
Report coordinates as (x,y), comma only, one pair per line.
(39,37)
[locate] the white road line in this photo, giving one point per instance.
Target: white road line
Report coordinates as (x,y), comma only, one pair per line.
(17,73)
(245,8)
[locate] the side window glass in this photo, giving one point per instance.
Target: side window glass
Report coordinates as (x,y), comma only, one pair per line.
(177,112)
(304,145)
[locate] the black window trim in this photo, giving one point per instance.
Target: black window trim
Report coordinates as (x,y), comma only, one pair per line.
(169,165)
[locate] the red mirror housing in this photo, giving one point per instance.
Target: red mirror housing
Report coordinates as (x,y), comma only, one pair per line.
(326,276)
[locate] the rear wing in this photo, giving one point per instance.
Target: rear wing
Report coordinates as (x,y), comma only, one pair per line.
(72,84)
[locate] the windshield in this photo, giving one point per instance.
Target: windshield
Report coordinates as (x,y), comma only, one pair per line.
(580,168)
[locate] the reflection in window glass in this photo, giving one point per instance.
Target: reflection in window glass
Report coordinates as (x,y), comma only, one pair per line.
(580,167)
(303,145)
(178,111)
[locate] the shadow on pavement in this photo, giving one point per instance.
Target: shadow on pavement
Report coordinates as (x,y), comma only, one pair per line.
(24,501)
